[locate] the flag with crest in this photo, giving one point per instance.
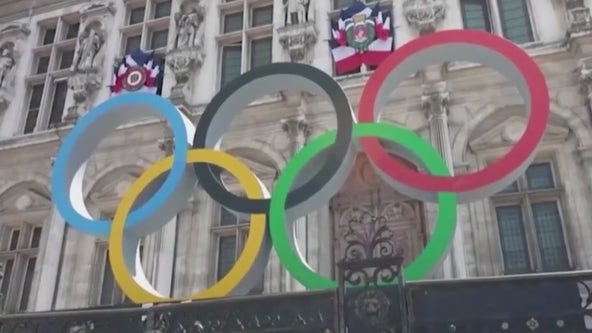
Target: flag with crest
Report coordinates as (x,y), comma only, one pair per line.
(361,35)
(138,71)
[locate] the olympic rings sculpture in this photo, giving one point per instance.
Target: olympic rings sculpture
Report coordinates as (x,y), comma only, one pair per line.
(310,178)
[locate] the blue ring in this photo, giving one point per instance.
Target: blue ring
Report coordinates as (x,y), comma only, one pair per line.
(60,186)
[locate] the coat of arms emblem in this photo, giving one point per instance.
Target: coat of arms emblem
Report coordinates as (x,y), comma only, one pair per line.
(360,33)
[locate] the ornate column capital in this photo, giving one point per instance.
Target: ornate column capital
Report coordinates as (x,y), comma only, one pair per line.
(297,129)
(187,55)
(424,15)
(434,100)
(578,15)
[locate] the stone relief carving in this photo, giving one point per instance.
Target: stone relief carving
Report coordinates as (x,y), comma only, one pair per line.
(424,15)
(188,54)
(299,34)
(579,17)
(366,195)
(10,38)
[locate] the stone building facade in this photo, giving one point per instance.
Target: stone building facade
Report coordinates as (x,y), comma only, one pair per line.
(56,63)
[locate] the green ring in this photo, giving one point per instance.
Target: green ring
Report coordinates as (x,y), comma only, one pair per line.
(444,228)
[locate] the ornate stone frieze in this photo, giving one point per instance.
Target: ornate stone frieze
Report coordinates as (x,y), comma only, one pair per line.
(299,34)
(187,55)
(10,38)
(579,17)
(424,15)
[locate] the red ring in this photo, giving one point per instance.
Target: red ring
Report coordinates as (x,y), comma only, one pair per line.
(537,121)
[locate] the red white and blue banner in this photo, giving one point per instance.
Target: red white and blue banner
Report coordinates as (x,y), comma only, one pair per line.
(362,35)
(138,71)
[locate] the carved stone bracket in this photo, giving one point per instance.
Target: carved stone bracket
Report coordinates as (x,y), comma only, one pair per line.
(585,79)
(298,40)
(579,17)
(298,131)
(10,39)
(435,100)
(424,15)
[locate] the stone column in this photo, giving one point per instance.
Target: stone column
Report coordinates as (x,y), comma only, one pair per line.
(298,132)
(49,264)
(435,102)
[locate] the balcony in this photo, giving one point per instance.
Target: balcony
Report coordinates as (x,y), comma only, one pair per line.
(535,303)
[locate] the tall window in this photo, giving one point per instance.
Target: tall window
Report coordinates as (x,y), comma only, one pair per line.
(19,247)
(245,39)
(231,233)
(147,26)
(107,291)
(47,82)
(509,18)
(530,224)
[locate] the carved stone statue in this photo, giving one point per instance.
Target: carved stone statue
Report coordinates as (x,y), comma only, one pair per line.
(189,23)
(6,64)
(91,42)
(299,9)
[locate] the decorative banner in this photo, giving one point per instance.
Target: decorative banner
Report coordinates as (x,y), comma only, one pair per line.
(361,35)
(138,71)
(309,180)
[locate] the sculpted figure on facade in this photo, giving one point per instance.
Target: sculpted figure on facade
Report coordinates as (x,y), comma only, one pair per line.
(7,63)
(90,43)
(86,72)
(188,55)
(299,9)
(299,34)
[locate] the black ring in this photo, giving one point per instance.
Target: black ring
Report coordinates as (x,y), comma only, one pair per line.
(236,96)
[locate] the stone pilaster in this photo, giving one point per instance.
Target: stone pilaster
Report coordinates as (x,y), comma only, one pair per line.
(435,103)
(49,264)
(297,131)
(424,16)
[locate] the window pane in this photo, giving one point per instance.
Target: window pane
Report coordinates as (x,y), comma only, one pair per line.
(137,15)
(8,267)
(33,112)
(162,9)
(108,286)
(14,238)
(42,65)
(260,52)
(475,14)
(231,63)
(515,21)
(338,4)
(226,255)
(159,39)
(550,236)
(49,36)
(36,95)
(66,60)
(539,176)
(36,238)
(510,189)
(28,281)
(132,43)
(59,101)
(233,22)
(31,121)
(262,16)
(226,217)
(513,239)
(72,31)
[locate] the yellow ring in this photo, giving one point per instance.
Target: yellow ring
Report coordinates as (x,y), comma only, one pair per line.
(131,285)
